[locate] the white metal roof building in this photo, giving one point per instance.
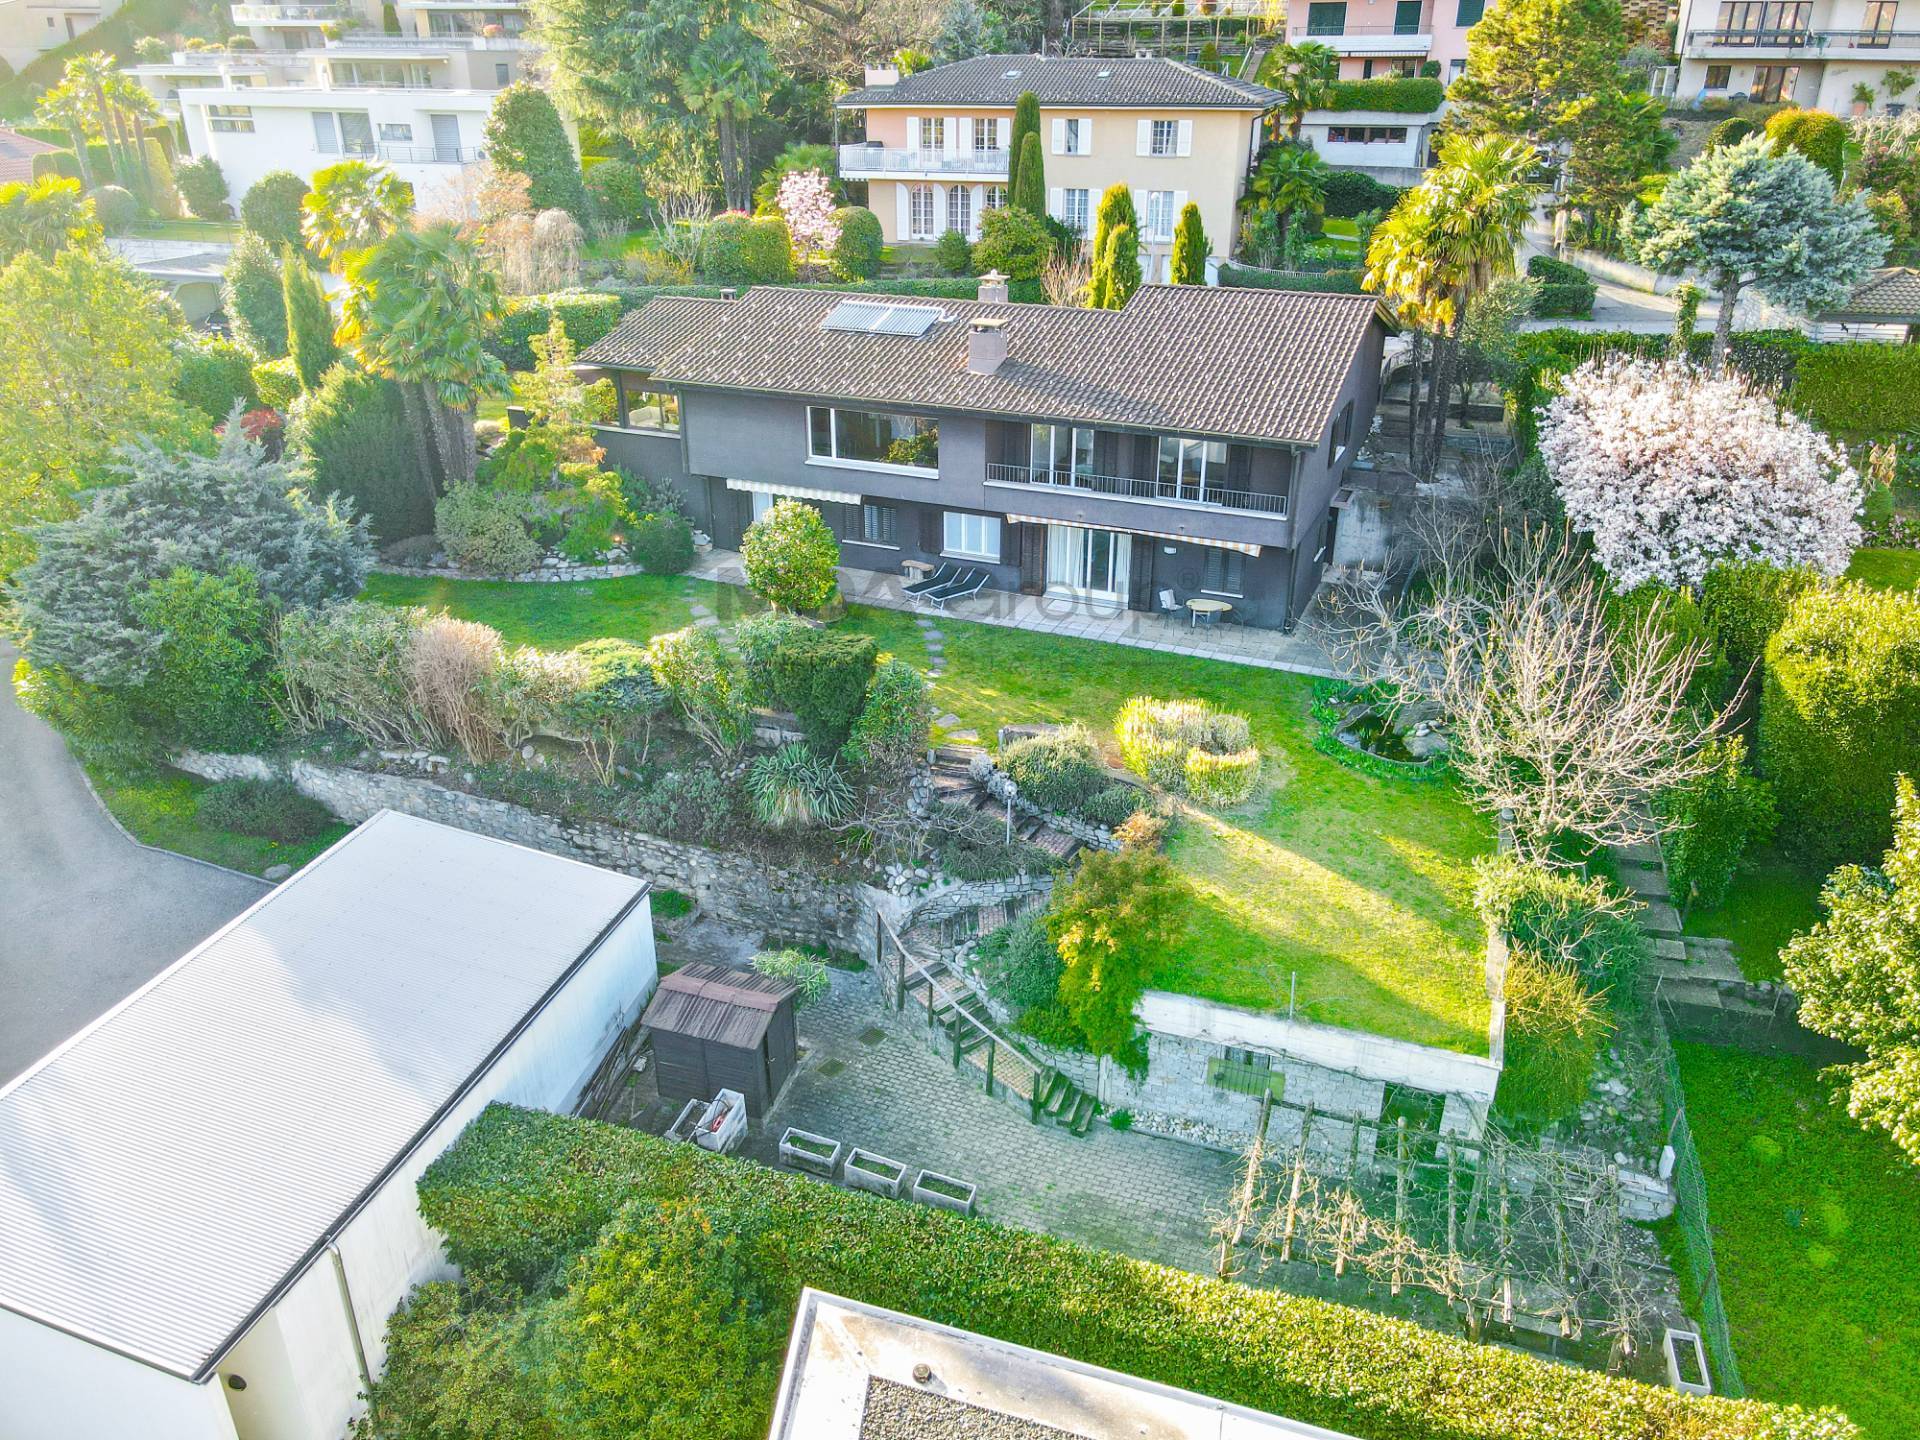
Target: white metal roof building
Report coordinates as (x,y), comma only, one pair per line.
(170,1176)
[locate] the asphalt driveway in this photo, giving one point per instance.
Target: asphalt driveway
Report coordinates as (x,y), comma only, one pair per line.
(86,916)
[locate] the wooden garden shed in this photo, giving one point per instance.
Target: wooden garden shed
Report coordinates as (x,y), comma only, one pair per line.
(716,1028)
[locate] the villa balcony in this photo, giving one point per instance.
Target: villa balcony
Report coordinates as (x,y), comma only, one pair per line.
(877,162)
(1790,44)
(432,154)
(1397,38)
(1157,492)
(301,16)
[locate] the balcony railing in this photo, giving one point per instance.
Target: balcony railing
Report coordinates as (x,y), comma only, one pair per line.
(878,159)
(287,14)
(1121,487)
(1870,43)
(432,154)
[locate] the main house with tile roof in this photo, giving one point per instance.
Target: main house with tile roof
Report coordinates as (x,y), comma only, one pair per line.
(1195,444)
(938,141)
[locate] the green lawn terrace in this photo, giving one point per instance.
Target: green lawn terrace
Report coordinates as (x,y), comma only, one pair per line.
(1341,895)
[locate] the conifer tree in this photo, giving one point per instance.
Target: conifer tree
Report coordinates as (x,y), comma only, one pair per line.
(1029,192)
(1189,248)
(309,320)
(1026,121)
(1116,266)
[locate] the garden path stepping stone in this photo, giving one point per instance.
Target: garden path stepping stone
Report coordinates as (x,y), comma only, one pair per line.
(963,734)
(947,721)
(933,637)
(697,608)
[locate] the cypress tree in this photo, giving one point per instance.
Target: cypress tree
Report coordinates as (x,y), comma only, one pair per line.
(1029,192)
(1026,121)
(1189,248)
(1123,266)
(1110,287)
(309,320)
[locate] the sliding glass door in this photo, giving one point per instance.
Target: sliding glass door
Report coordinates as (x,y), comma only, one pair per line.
(1091,564)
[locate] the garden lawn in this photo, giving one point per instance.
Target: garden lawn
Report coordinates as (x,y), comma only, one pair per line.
(1886,569)
(1772,899)
(158,810)
(1352,894)
(1814,1222)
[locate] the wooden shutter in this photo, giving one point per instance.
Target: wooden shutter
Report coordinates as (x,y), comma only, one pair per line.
(1059,136)
(1141,232)
(1033,557)
(1003,130)
(1086,136)
(1143,137)
(903,216)
(913,132)
(1057,202)
(1179,204)
(1185,145)
(950,136)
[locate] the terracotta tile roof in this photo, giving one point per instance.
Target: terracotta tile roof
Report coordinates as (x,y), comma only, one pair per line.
(644,335)
(1260,365)
(16,155)
(1000,80)
(1892,293)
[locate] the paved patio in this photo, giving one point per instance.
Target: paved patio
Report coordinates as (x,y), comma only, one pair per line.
(1056,615)
(867,1077)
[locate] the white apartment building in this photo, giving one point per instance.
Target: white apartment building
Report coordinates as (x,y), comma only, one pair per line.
(29,27)
(325,83)
(1832,55)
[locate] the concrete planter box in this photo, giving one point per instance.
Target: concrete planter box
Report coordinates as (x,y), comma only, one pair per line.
(874,1173)
(815,1154)
(1687,1363)
(689,1117)
(932,1188)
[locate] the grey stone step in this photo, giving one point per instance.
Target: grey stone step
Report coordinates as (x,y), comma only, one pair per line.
(1647,883)
(1644,853)
(1659,919)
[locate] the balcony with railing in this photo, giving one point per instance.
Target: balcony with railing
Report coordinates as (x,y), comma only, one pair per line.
(1410,32)
(861,162)
(1183,492)
(1797,43)
(303,15)
(432,154)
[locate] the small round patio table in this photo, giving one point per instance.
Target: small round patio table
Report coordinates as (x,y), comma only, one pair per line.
(1211,610)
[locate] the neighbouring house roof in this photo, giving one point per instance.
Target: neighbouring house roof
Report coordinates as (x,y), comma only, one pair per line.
(16,155)
(1000,80)
(850,1375)
(175,1165)
(662,324)
(1260,365)
(718,1003)
(1891,296)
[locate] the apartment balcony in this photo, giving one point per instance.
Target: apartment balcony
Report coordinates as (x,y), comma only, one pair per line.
(1147,492)
(877,162)
(301,16)
(432,154)
(1392,39)
(1866,45)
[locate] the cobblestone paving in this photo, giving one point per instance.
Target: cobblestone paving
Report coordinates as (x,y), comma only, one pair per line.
(1134,1193)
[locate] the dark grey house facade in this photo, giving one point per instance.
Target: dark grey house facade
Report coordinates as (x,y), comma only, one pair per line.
(1193,444)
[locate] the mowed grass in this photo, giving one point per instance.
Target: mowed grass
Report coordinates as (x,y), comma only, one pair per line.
(1814,1222)
(1350,894)
(1886,569)
(159,810)
(1772,899)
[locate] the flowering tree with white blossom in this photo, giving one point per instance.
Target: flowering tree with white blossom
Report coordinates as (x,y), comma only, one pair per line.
(805,198)
(1673,471)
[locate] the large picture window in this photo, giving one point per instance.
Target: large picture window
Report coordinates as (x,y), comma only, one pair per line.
(645,409)
(920,212)
(1061,452)
(873,437)
(971,537)
(1190,468)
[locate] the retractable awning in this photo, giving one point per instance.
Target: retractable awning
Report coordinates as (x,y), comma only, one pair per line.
(796,492)
(1242,546)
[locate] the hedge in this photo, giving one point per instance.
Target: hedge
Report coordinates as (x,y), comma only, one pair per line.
(1350,193)
(1865,389)
(586,316)
(520,1193)
(1389,94)
(1246,277)
(1566,291)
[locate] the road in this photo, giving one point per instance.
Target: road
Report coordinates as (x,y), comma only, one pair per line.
(86,916)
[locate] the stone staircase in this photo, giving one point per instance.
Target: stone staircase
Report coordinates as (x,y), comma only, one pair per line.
(953,782)
(1688,971)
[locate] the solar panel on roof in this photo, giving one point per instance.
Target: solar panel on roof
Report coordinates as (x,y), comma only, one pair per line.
(864,317)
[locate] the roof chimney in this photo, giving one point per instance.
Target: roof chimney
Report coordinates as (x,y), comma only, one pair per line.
(993,288)
(986,344)
(883,74)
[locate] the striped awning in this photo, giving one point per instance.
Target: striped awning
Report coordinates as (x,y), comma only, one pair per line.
(796,492)
(1242,546)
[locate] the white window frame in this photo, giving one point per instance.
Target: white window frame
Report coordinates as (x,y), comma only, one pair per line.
(1080,221)
(992,197)
(960,198)
(916,194)
(1160,218)
(986,135)
(958,527)
(933,134)
(1079,135)
(1167,130)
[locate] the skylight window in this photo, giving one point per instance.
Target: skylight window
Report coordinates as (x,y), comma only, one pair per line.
(863,317)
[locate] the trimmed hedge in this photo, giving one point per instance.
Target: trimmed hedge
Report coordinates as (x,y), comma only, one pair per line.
(1350,193)
(521,1193)
(1245,277)
(1389,94)
(1566,291)
(586,316)
(1859,389)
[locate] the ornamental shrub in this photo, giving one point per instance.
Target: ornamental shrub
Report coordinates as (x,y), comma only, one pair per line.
(485,531)
(586,316)
(271,209)
(1114,924)
(1564,918)
(524,135)
(457,1366)
(1218,781)
(894,723)
(1174,743)
(1565,290)
(277,382)
(1716,819)
(766,251)
(1056,769)
(821,675)
(1555,1028)
(203,186)
(952,253)
(521,1192)
(1743,602)
(214,373)
(706,686)
(1821,137)
(114,207)
(250,294)
(723,249)
(1019,965)
(270,809)
(1012,241)
(210,685)
(309,320)
(792,559)
(614,703)
(1678,625)
(795,789)
(350,665)
(798,968)
(1731,131)
(661,543)
(1349,193)
(1840,717)
(105,729)
(618,191)
(353,431)
(1337,282)
(857,253)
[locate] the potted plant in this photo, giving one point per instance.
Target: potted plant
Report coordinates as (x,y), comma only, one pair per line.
(933,1188)
(815,1154)
(1863,97)
(874,1173)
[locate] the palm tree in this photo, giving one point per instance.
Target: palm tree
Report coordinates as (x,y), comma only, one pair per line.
(417,311)
(94,76)
(1287,178)
(69,106)
(136,110)
(1306,74)
(45,217)
(353,206)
